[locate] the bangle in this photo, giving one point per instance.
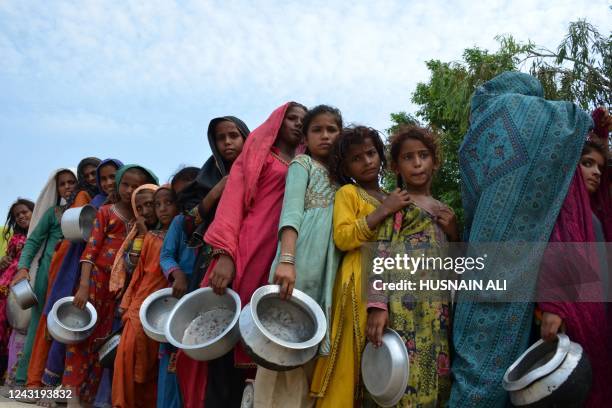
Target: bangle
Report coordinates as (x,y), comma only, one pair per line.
(137,244)
(219,251)
(287,258)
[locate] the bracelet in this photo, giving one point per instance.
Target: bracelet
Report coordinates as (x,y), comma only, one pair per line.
(287,258)
(219,251)
(137,244)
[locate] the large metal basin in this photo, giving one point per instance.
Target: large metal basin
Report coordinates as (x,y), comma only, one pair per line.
(77,223)
(68,324)
(24,295)
(154,313)
(299,327)
(188,308)
(385,369)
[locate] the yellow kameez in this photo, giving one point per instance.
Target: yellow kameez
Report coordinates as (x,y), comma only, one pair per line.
(336,377)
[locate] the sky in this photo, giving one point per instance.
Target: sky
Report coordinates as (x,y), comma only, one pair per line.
(140,80)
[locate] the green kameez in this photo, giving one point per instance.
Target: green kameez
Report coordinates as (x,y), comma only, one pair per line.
(47,234)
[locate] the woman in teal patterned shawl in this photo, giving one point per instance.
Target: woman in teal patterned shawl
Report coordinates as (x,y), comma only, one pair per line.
(516,161)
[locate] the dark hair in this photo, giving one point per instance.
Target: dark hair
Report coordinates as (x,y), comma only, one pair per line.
(296,105)
(166,187)
(186,174)
(407,132)
(320,110)
(592,145)
(353,135)
(10,225)
(143,173)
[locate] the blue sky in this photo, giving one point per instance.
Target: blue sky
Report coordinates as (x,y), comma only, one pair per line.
(139,80)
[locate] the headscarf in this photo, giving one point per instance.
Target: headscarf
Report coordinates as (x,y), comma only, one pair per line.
(101,197)
(123,169)
(82,184)
(119,272)
(213,170)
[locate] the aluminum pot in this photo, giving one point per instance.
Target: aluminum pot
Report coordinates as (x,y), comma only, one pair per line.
(108,349)
(68,324)
(191,306)
(282,334)
(24,295)
(154,313)
(385,369)
(77,223)
(550,374)
(18,318)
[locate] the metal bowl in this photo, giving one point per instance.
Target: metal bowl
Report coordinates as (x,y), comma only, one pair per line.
(188,308)
(108,350)
(154,313)
(385,369)
(282,334)
(77,223)
(550,374)
(24,295)
(68,324)
(18,318)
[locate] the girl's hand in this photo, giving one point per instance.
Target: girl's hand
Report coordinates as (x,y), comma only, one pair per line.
(551,324)
(5,261)
(217,190)
(446,219)
(222,274)
(395,201)
(378,320)
(285,277)
(179,287)
(81,296)
(140,225)
(20,275)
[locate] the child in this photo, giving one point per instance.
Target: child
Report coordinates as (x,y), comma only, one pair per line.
(585,217)
(86,189)
(45,232)
(307,257)
(423,225)
(359,207)
(135,373)
(244,231)
(17,224)
(198,203)
(83,371)
(67,277)
(183,178)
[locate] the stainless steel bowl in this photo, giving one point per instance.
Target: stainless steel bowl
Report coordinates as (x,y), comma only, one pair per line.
(108,350)
(68,324)
(550,374)
(297,335)
(385,369)
(154,313)
(24,295)
(188,308)
(18,318)
(77,223)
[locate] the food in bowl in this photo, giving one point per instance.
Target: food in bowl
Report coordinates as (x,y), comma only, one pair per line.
(207,326)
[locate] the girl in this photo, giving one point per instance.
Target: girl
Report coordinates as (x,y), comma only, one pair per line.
(198,203)
(135,371)
(86,189)
(307,257)
(17,224)
(359,207)
(585,217)
(244,231)
(67,277)
(423,225)
(44,234)
(83,371)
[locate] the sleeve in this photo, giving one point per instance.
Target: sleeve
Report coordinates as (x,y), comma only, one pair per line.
(81,199)
(225,228)
(295,194)
(97,237)
(350,231)
(37,239)
(132,288)
(171,247)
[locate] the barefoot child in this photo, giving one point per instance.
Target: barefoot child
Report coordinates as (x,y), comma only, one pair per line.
(135,374)
(423,225)
(306,258)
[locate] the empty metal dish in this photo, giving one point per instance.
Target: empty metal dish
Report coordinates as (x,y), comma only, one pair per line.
(385,369)
(282,334)
(192,306)
(154,313)
(68,324)
(24,295)
(77,223)
(550,374)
